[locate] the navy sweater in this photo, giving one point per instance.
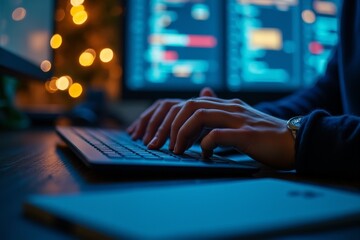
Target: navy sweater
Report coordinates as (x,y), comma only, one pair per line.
(328,142)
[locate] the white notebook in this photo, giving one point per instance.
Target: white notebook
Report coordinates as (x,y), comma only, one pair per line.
(213,210)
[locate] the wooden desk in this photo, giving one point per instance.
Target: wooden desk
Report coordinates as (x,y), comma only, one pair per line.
(36,161)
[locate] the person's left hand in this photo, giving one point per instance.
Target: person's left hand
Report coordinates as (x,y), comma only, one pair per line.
(259,135)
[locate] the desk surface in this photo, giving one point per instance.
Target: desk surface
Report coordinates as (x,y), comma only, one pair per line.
(36,161)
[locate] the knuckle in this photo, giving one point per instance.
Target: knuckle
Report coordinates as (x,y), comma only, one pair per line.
(167,104)
(200,113)
(236,101)
(174,109)
(190,104)
(215,134)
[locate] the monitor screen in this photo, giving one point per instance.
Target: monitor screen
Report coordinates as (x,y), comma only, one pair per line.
(25,31)
(174,47)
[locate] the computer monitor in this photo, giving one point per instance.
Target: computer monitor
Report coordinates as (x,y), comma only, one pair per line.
(173,48)
(25,31)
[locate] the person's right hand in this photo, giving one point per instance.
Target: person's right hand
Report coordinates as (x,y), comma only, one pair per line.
(159,116)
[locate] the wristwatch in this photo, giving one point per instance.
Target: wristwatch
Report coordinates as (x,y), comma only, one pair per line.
(293,124)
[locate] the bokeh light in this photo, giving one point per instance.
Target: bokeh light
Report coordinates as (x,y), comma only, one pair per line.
(19,14)
(80,17)
(87,58)
(56,41)
(106,55)
(50,85)
(308,16)
(76,2)
(62,83)
(76,9)
(75,90)
(45,66)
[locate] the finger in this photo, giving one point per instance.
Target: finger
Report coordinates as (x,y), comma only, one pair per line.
(220,100)
(143,121)
(190,107)
(198,121)
(156,119)
(163,131)
(207,92)
(221,137)
(132,127)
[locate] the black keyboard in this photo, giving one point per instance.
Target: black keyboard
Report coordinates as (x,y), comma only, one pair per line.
(115,150)
(118,145)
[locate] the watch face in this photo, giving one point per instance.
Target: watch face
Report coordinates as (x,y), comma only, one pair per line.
(295,122)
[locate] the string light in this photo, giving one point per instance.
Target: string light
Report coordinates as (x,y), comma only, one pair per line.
(56,41)
(87,58)
(106,55)
(76,9)
(76,2)
(45,66)
(50,85)
(75,90)
(80,17)
(77,12)
(62,83)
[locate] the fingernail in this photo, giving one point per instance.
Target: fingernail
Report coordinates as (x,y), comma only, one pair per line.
(153,143)
(177,150)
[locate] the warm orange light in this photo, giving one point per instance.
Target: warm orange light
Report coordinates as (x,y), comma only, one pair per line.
(56,41)
(106,55)
(76,2)
(52,84)
(80,17)
(87,58)
(19,14)
(69,79)
(45,65)
(49,88)
(76,9)
(75,90)
(62,83)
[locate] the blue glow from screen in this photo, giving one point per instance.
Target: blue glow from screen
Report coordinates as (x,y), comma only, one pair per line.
(230,45)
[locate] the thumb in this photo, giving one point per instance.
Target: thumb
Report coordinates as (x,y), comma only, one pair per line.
(207,92)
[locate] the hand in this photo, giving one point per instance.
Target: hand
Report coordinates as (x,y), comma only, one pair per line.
(149,122)
(232,123)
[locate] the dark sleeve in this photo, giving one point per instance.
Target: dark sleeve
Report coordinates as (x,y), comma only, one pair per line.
(325,94)
(329,145)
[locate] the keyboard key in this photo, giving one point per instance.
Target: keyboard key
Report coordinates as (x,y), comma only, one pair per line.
(116,145)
